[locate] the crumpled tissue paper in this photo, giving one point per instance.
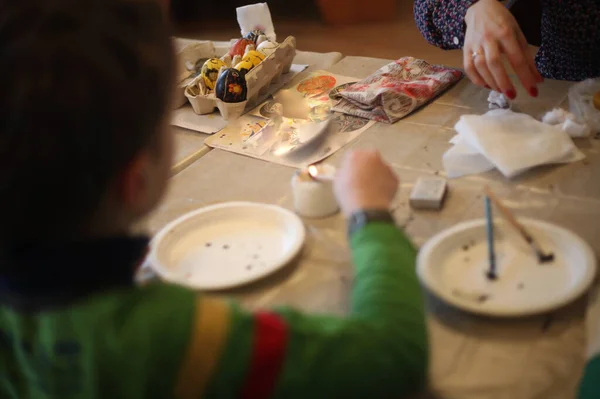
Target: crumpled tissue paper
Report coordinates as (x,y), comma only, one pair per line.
(567,122)
(498,100)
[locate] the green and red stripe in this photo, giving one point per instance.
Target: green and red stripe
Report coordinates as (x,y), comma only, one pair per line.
(268,353)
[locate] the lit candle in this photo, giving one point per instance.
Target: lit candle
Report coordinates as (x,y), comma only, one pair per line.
(322,172)
(313,196)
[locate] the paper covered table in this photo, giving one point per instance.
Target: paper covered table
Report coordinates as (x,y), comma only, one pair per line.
(471,357)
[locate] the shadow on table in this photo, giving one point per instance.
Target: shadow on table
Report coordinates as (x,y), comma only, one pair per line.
(425,395)
(554,323)
(268,282)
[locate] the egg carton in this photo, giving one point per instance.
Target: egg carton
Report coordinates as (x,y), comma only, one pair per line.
(258,79)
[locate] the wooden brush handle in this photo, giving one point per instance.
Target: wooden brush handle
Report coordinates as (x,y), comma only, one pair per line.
(508,215)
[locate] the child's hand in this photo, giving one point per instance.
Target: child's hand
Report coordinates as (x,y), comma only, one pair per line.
(364,181)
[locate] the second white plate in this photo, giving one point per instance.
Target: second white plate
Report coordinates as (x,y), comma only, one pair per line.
(453,266)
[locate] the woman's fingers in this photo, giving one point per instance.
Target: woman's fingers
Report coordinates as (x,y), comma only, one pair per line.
(481,64)
(470,69)
(493,30)
(521,63)
(530,60)
(493,58)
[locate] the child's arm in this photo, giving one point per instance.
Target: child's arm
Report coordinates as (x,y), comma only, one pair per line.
(379,350)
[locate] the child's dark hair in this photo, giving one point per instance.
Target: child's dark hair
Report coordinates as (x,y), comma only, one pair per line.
(84,86)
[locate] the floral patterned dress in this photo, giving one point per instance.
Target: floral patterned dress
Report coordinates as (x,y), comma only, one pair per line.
(570,48)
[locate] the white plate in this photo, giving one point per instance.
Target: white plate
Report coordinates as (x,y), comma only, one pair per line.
(453,266)
(226,245)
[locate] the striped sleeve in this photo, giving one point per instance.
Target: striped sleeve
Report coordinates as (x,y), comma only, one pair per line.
(248,349)
(381,347)
(211,327)
(441,22)
(251,350)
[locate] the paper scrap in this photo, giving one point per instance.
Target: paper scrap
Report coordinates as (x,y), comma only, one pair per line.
(256,17)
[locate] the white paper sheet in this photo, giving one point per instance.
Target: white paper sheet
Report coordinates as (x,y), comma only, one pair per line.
(511,142)
(256,16)
(247,136)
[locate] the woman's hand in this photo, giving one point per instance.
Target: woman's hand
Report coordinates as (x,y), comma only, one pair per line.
(492,32)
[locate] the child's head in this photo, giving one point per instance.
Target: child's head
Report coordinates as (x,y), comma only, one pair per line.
(84,92)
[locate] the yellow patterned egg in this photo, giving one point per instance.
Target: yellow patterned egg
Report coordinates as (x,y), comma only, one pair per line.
(244,66)
(210,71)
(255,57)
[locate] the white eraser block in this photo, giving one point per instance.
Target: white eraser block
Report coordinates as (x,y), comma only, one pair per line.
(428,193)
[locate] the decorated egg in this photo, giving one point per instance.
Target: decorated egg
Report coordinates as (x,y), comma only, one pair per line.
(231,86)
(210,71)
(239,47)
(254,35)
(261,38)
(244,66)
(223,68)
(255,57)
(267,47)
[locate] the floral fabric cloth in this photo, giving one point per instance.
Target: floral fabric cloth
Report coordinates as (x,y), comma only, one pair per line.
(396,90)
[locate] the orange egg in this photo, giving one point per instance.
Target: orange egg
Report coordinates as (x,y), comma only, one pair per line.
(239,47)
(597,101)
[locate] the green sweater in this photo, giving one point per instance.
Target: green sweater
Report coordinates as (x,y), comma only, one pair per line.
(590,384)
(116,340)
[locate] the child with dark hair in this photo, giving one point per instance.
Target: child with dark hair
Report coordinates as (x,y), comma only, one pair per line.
(85,153)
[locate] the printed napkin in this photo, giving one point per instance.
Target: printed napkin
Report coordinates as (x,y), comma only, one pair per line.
(509,141)
(396,90)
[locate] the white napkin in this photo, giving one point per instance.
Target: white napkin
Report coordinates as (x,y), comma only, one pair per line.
(256,16)
(509,141)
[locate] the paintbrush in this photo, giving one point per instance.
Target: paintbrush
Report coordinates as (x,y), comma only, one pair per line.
(491,274)
(542,256)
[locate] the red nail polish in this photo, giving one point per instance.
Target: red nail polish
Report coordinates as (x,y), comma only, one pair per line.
(487,87)
(533,91)
(511,94)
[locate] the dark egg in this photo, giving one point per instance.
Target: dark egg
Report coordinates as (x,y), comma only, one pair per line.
(231,86)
